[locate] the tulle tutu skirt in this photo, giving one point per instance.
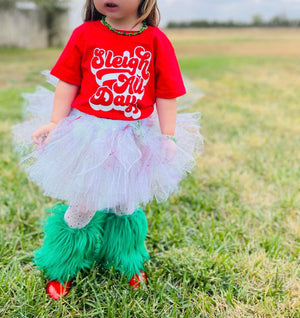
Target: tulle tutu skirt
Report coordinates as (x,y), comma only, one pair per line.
(102,163)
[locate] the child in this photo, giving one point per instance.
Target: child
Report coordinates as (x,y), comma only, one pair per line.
(105,150)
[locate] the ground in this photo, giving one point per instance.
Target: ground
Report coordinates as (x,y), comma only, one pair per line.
(227,244)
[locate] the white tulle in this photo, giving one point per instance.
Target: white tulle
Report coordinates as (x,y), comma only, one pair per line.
(104,163)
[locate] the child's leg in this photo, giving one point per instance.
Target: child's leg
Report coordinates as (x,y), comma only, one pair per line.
(77,217)
(67,249)
(124,243)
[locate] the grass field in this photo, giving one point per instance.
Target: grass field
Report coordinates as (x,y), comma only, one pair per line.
(227,245)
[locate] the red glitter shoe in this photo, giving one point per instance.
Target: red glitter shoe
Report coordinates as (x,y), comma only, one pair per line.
(56,290)
(137,279)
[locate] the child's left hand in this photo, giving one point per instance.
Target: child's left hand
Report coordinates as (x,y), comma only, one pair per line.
(168,148)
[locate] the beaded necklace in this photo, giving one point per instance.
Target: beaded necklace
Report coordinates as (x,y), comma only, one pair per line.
(121,32)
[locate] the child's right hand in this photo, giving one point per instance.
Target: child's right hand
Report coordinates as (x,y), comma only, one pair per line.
(42,135)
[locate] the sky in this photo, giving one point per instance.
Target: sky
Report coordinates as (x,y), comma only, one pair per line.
(219,10)
(222,10)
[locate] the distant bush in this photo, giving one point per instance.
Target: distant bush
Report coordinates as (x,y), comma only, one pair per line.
(257,21)
(7,4)
(52,10)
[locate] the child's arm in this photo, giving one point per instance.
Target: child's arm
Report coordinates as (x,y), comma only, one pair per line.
(63,98)
(166,110)
(65,94)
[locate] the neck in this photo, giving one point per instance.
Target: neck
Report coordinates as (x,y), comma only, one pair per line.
(124,24)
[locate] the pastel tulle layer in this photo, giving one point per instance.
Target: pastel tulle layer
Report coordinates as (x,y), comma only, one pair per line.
(103,163)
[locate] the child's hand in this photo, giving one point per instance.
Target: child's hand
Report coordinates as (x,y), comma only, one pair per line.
(169,148)
(41,135)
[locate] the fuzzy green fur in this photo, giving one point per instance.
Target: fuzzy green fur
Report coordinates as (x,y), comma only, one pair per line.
(66,251)
(112,240)
(124,242)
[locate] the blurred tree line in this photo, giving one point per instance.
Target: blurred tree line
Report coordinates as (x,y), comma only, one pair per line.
(50,8)
(257,21)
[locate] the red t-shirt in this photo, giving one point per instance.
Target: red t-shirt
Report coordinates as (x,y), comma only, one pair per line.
(119,76)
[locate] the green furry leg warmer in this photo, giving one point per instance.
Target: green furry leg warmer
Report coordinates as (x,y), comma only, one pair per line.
(66,251)
(124,242)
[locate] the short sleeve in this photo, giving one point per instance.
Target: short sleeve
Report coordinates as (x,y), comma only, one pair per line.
(168,79)
(68,66)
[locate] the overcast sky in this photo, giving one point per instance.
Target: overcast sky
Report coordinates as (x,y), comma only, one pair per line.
(241,10)
(238,10)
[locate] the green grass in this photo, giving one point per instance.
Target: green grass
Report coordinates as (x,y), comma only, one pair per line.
(227,245)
